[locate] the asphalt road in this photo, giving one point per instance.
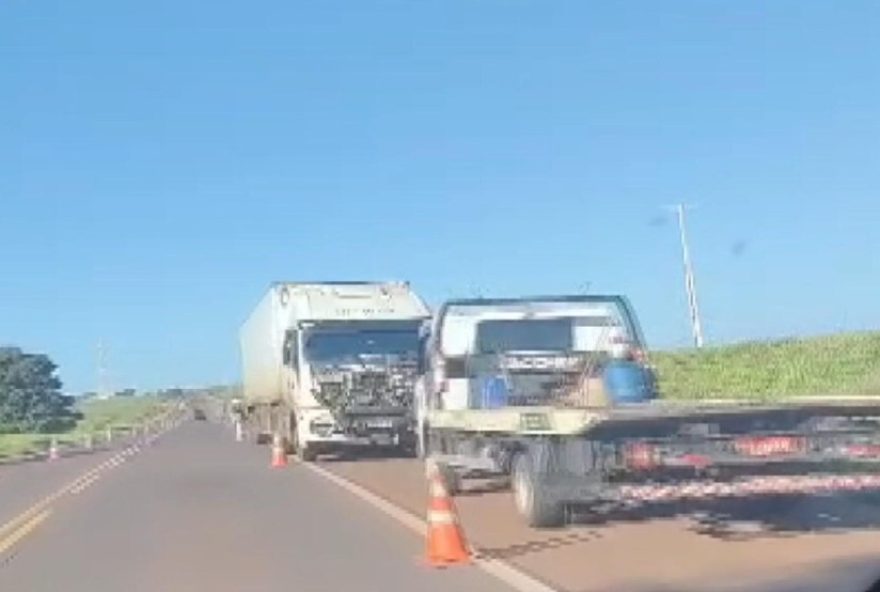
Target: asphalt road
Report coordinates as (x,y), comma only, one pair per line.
(23,484)
(196,511)
(753,545)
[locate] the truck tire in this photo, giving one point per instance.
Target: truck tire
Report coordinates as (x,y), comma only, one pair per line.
(451,479)
(533,500)
(290,434)
(307,453)
(409,450)
(422,444)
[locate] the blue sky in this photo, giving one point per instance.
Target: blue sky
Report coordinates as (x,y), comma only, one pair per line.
(162,162)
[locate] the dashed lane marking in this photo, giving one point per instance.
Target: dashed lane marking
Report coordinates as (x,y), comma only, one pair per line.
(20,526)
(84,484)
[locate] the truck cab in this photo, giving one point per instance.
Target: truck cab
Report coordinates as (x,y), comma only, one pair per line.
(332,365)
(353,383)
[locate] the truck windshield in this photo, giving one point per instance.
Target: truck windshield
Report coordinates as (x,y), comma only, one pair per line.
(336,346)
(494,336)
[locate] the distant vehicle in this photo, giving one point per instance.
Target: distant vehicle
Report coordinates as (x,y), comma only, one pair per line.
(332,366)
(556,392)
(199,414)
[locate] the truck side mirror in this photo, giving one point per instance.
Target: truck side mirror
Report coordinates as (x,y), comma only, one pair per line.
(288,352)
(422,356)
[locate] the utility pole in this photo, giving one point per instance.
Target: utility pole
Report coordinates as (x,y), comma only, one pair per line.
(103,387)
(689,283)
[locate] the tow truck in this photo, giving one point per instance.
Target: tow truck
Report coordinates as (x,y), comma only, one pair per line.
(557,393)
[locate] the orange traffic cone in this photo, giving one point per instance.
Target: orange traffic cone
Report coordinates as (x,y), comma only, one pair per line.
(446,544)
(279,454)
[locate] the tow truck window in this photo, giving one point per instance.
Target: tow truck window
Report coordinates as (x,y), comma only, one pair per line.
(495,336)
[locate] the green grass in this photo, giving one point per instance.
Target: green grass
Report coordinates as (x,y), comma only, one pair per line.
(842,364)
(118,413)
(19,444)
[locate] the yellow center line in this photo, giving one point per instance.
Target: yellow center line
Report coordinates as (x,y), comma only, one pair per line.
(83,484)
(15,522)
(84,479)
(23,530)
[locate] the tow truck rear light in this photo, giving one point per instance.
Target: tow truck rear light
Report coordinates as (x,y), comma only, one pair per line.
(766,446)
(862,450)
(697,461)
(640,455)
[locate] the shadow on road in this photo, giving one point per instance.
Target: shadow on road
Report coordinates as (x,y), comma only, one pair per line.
(743,518)
(855,575)
(377,453)
(543,544)
(731,519)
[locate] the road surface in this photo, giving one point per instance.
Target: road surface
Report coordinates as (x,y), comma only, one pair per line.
(196,511)
(764,545)
(24,483)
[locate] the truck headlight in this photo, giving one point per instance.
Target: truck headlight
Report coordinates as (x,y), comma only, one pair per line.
(321,427)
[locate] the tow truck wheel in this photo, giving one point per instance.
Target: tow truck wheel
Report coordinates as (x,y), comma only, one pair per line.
(532,499)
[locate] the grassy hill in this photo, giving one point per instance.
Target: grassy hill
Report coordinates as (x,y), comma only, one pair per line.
(98,415)
(846,363)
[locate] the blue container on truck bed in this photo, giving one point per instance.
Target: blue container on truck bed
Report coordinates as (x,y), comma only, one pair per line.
(628,382)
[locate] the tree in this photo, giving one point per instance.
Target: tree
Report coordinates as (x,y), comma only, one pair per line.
(30,394)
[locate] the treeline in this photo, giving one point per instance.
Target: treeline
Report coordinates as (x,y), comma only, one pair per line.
(30,395)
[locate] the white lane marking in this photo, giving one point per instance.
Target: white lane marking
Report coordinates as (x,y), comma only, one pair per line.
(413,523)
(507,573)
(31,517)
(44,502)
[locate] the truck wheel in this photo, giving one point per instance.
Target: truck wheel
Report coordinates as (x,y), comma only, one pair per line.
(290,438)
(422,447)
(307,453)
(409,450)
(451,479)
(533,501)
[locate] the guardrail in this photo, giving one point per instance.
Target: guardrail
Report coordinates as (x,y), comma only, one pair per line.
(52,446)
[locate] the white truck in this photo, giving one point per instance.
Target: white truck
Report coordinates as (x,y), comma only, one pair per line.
(556,393)
(331,366)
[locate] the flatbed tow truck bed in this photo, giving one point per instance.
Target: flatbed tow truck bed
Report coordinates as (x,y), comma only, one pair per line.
(662,450)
